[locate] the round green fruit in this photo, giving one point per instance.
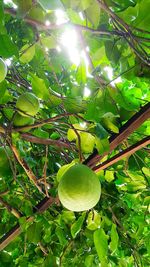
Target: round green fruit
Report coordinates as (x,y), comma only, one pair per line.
(28,104)
(3,70)
(79,188)
(22,121)
(5,169)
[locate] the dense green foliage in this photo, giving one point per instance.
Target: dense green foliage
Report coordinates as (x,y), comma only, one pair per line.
(87,62)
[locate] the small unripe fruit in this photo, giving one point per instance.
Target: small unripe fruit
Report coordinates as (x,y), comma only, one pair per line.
(22,121)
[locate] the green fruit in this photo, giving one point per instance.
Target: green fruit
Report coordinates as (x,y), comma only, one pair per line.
(28,104)
(3,70)
(79,188)
(5,169)
(22,121)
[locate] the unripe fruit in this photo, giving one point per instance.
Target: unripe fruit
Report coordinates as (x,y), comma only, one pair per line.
(22,121)
(79,188)
(27,104)
(3,70)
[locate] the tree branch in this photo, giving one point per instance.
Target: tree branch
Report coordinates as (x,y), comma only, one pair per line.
(26,168)
(129,127)
(127,152)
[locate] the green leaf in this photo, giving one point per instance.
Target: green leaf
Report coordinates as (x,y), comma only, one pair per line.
(3,87)
(114,238)
(24,7)
(93,220)
(27,53)
(77,225)
(48,42)
(68,216)
(101,245)
(7,47)
(100,131)
(102,145)
(61,236)
(50,5)
(50,261)
(87,142)
(109,176)
(93,13)
(39,87)
(89,260)
(34,232)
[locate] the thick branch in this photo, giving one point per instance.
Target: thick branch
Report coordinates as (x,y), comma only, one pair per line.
(128,128)
(12,210)
(16,230)
(125,153)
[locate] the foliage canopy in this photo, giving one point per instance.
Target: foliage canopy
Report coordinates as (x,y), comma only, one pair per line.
(87,62)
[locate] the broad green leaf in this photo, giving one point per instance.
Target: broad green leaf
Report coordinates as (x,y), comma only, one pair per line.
(114,238)
(93,220)
(7,47)
(71,134)
(41,133)
(77,225)
(61,236)
(87,141)
(24,7)
(102,145)
(50,261)
(93,13)
(34,232)
(68,216)
(101,245)
(50,5)
(100,131)
(3,87)
(39,87)
(37,13)
(89,260)
(109,121)
(27,53)
(48,42)
(109,176)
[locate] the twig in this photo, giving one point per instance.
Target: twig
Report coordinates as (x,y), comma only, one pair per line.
(44,172)
(26,168)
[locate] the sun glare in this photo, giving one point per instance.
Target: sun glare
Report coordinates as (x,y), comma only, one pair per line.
(109,71)
(87,92)
(8,61)
(60,17)
(10,2)
(69,41)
